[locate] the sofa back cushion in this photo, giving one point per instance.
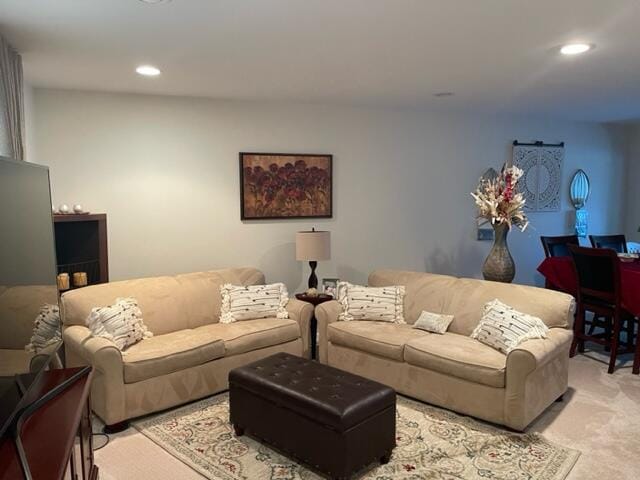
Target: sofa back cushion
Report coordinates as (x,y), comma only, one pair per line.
(168,304)
(464,298)
(468,297)
(423,291)
(19,307)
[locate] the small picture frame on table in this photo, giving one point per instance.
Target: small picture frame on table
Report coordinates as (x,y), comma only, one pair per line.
(330,286)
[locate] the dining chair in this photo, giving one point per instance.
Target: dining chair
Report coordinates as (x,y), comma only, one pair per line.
(558,246)
(614,242)
(599,292)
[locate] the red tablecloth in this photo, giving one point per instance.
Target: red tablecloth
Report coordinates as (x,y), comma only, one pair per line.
(559,273)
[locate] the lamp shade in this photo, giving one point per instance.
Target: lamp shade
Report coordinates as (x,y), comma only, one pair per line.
(313,245)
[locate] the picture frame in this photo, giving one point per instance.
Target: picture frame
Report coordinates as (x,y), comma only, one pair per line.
(279,186)
(330,286)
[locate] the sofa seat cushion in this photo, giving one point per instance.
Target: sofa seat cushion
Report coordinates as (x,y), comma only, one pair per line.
(379,338)
(13,362)
(248,335)
(171,352)
(458,356)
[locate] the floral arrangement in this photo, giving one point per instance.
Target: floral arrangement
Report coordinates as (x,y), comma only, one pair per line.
(498,200)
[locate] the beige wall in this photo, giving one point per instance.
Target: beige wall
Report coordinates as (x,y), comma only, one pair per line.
(165,170)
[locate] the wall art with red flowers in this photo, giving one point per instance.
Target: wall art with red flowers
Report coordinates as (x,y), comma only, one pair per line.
(285,185)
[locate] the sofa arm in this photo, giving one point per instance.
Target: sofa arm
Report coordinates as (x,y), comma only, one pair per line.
(97,351)
(302,312)
(107,388)
(326,313)
(533,354)
(537,373)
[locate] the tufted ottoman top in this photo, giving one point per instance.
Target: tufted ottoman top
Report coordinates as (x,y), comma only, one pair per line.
(324,394)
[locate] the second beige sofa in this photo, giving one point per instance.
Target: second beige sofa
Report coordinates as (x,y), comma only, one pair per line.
(453,370)
(190,354)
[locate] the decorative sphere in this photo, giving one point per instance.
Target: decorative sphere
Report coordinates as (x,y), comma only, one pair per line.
(312,292)
(77,208)
(64,208)
(53,209)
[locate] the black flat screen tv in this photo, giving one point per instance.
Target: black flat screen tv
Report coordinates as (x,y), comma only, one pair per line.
(27,282)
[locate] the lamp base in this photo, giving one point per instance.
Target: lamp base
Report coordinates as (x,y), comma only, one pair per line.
(313,280)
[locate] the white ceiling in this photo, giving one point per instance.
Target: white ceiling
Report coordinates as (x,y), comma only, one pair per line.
(496,55)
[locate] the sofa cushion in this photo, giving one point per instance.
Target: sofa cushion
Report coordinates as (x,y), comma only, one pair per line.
(458,356)
(248,335)
(379,338)
(171,352)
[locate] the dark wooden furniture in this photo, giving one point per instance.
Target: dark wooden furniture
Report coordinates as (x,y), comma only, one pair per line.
(329,419)
(599,291)
(614,242)
(313,327)
(81,246)
(558,246)
(48,432)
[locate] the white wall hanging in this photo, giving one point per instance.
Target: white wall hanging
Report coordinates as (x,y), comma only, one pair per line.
(542,166)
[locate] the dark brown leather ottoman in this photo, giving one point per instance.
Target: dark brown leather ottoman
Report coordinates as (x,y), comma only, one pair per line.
(332,420)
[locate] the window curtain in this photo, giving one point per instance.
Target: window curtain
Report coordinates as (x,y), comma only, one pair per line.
(11,102)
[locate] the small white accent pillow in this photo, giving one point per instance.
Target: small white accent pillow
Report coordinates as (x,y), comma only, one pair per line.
(384,304)
(504,328)
(121,323)
(433,322)
(46,329)
(240,302)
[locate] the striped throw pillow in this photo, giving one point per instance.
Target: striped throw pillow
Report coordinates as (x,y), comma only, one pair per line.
(121,323)
(46,329)
(504,328)
(240,302)
(384,304)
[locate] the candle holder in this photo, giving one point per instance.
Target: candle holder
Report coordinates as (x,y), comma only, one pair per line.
(80,279)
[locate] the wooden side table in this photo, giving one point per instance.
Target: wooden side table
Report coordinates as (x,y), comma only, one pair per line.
(314,300)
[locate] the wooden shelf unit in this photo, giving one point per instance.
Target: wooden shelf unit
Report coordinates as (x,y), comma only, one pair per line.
(81,246)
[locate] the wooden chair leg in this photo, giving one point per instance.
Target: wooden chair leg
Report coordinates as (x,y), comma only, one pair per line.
(578,331)
(607,330)
(631,325)
(636,357)
(614,344)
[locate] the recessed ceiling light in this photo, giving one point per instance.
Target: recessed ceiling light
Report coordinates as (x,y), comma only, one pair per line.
(148,70)
(575,48)
(443,94)
(155,2)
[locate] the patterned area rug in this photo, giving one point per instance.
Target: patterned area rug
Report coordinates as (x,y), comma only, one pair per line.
(431,444)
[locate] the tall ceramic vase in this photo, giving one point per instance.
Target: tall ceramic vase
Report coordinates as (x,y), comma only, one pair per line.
(499,266)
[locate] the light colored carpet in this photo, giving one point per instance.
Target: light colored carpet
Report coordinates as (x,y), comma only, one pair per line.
(599,416)
(431,443)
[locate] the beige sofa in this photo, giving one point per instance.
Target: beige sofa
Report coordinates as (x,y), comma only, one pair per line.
(190,354)
(19,307)
(453,370)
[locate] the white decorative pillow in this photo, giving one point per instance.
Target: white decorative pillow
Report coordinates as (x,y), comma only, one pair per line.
(46,329)
(433,322)
(504,328)
(240,302)
(384,304)
(121,323)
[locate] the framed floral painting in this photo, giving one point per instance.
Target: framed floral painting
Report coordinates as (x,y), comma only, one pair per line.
(285,185)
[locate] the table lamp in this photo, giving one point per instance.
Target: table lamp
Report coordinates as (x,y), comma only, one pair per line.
(313,246)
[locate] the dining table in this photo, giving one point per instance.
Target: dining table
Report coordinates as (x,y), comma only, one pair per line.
(560,274)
